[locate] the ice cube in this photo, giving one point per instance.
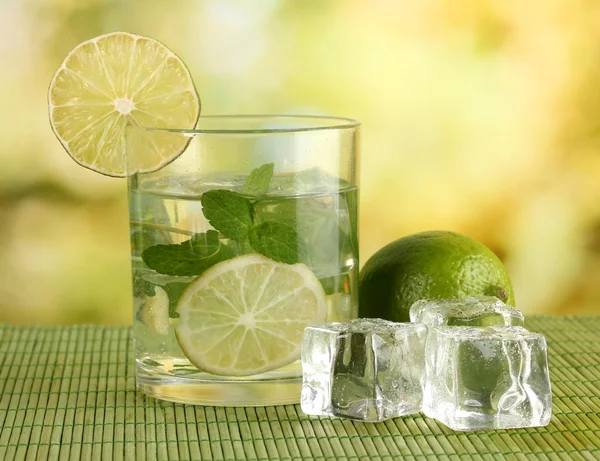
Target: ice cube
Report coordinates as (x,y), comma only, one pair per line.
(487,378)
(475,311)
(363,369)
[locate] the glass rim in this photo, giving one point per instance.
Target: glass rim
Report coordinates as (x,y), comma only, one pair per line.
(336,123)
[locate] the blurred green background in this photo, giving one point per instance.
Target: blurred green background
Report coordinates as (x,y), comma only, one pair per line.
(479,116)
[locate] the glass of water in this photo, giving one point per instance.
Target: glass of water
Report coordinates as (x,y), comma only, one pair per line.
(246,238)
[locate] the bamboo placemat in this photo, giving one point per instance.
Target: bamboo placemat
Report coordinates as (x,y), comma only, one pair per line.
(68,393)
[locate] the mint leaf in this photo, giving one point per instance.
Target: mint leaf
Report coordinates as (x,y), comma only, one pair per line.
(259,180)
(322,223)
(278,242)
(174,291)
(228,212)
(191,257)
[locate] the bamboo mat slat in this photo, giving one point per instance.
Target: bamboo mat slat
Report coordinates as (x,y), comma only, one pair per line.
(68,393)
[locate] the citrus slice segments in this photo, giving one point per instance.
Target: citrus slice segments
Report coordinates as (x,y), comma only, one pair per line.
(114,80)
(247,315)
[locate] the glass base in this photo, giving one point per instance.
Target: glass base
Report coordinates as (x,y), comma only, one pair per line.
(274,388)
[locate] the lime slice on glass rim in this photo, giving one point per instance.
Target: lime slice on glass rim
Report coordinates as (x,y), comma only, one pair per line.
(247,315)
(114,80)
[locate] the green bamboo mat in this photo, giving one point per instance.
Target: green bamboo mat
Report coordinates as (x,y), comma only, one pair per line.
(68,393)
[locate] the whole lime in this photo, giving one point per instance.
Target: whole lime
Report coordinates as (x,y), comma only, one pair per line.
(429,265)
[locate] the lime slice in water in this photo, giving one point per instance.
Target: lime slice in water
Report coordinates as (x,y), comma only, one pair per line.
(117,79)
(247,315)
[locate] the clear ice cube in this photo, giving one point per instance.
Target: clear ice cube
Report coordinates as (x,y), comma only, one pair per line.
(363,369)
(475,311)
(487,378)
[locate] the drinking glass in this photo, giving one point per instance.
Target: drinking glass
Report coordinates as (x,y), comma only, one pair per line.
(296,173)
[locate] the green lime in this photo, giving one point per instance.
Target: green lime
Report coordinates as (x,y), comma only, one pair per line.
(429,265)
(115,80)
(247,315)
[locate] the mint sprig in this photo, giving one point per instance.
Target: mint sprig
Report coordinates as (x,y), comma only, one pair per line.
(279,242)
(191,257)
(323,225)
(259,180)
(228,212)
(232,215)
